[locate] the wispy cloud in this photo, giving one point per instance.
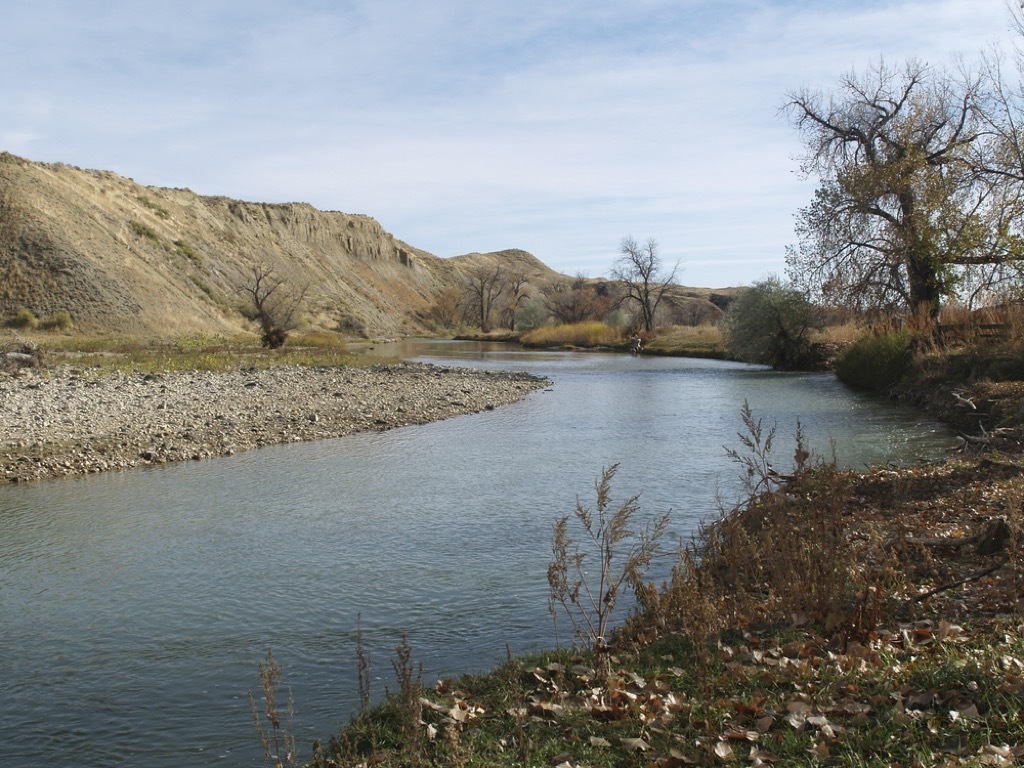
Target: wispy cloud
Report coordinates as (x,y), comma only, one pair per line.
(554,127)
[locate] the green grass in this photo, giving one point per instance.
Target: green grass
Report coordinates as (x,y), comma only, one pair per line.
(784,694)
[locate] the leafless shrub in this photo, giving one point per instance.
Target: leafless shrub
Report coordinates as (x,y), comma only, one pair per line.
(16,352)
(275,733)
(273,304)
(410,693)
(588,598)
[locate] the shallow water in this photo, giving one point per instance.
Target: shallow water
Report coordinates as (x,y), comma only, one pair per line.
(135,606)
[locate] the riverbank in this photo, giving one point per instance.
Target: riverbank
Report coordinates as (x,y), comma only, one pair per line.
(69,421)
(847,618)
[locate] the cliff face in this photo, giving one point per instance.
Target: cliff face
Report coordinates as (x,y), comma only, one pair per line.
(124,258)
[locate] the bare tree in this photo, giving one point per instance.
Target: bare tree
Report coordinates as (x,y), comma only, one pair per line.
(644,276)
(484,285)
(516,294)
(273,304)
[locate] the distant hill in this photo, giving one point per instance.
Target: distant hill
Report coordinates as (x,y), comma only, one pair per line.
(124,258)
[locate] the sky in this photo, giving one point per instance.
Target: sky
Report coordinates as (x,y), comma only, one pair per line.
(559,127)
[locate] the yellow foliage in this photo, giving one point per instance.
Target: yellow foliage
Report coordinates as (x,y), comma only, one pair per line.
(586,334)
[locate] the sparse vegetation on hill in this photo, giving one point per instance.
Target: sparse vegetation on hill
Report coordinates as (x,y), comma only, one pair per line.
(129,260)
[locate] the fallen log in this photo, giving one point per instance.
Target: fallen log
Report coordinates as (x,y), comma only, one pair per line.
(21,359)
(991,540)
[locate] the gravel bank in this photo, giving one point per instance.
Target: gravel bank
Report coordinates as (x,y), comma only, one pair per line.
(67,422)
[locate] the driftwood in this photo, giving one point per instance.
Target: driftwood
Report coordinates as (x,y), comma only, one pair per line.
(993,539)
(985,439)
(13,360)
(960,582)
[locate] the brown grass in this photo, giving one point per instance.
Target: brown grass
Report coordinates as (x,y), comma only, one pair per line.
(588,334)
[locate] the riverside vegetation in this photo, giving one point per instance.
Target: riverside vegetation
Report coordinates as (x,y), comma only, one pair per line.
(853,618)
(835,618)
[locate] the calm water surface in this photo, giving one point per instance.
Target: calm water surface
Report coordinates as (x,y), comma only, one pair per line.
(134,607)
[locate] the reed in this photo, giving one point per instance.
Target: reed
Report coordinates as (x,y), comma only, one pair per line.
(586,334)
(274,726)
(620,554)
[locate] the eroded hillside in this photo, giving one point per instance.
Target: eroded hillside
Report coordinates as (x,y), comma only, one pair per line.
(120,257)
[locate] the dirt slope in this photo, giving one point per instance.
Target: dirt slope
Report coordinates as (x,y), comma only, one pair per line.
(129,259)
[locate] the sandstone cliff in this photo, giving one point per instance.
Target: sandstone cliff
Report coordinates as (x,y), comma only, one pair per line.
(124,258)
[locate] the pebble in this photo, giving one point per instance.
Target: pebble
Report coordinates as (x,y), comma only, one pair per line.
(61,422)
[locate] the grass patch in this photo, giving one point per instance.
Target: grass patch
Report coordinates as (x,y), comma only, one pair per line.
(195,352)
(156,208)
(203,286)
(144,230)
(185,249)
(61,321)
(688,341)
(23,319)
(587,335)
(679,340)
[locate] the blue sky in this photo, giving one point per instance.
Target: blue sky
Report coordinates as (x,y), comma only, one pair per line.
(558,127)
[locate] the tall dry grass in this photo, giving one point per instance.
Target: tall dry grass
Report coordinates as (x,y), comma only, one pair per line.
(587,575)
(779,555)
(587,334)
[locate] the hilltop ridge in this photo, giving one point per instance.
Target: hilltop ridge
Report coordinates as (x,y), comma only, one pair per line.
(121,257)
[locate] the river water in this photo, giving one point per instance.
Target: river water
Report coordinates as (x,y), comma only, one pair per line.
(135,606)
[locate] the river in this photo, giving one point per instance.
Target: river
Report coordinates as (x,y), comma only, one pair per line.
(135,606)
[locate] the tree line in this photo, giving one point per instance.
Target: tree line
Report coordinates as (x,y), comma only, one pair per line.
(919,204)
(498,296)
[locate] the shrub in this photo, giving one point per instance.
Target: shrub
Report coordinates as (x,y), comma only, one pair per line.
(587,590)
(158,209)
(61,321)
(184,248)
(875,361)
(143,230)
(771,324)
(24,318)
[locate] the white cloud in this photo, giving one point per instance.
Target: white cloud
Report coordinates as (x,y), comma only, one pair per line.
(556,127)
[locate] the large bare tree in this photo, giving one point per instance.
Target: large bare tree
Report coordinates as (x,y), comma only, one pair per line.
(484,285)
(516,293)
(909,205)
(644,276)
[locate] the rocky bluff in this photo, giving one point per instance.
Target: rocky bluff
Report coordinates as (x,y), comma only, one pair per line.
(125,258)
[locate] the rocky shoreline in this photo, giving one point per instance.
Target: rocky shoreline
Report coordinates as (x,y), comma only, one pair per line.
(71,422)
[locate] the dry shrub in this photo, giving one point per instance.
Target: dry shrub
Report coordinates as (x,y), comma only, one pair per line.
(274,727)
(620,557)
(782,556)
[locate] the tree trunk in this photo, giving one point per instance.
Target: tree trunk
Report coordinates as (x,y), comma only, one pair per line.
(924,292)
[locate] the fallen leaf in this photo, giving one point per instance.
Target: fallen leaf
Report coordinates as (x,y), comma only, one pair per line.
(724,750)
(635,744)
